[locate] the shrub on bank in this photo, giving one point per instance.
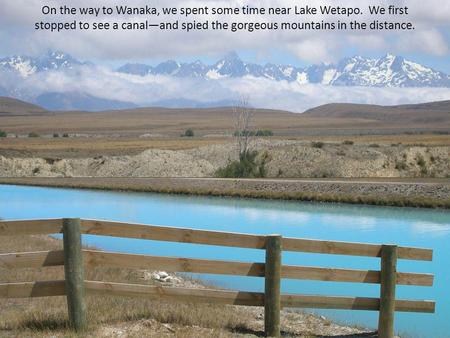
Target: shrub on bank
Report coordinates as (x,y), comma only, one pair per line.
(422,164)
(401,165)
(264,133)
(258,133)
(189,133)
(33,134)
(3,133)
(318,145)
(246,167)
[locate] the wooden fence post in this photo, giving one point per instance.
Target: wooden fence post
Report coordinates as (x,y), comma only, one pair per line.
(272,302)
(387,291)
(74,273)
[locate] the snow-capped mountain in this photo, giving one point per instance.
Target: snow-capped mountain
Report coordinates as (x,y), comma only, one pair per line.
(387,71)
(57,81)
(27,66)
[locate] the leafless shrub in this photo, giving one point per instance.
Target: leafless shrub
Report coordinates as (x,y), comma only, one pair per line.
(243,115)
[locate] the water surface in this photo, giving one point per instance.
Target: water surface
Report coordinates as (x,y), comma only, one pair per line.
(403,226)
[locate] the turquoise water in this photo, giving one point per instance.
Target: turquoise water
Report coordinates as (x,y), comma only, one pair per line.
(404,226)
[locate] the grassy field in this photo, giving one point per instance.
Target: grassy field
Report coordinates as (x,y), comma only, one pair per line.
(76,147)
(215,121)
(427,139)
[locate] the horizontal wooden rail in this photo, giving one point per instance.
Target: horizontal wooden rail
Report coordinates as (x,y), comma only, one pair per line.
(175,264)
(249,298)
(353,249)
(183,235)
(33,289)
(57,288)
(31,227)
(176,293)
(352,275)
(172,264)
(172,234)
(354,303)
(37,259)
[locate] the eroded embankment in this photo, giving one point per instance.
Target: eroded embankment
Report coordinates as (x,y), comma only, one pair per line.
(284,159)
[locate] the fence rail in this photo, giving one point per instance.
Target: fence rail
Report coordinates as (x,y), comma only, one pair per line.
(94,259)
(76,260)
(230,239)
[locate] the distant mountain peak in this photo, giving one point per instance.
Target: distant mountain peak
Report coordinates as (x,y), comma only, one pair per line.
(232,56)
(57,54)
(28,65)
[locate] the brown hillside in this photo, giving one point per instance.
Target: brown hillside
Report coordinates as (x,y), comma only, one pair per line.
(14,107)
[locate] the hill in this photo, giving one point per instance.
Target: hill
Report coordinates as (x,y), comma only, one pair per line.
(427,113)
(14,107)
(21,118)
(79,101)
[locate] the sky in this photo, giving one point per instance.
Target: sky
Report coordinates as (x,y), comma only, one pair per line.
(428,44)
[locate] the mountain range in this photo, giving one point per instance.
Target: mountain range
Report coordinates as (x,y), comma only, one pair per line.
(386,71)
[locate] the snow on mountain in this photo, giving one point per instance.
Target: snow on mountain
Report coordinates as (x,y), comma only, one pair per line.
(387,71)
(26,66)
(23,66)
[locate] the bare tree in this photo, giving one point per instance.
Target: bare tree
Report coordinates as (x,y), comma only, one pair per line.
(243,115)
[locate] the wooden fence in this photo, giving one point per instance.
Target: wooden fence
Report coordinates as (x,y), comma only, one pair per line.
(75,260)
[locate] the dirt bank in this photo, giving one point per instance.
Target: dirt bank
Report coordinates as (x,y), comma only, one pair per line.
(285,159)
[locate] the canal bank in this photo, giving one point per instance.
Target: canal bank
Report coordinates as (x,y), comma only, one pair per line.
(425,193)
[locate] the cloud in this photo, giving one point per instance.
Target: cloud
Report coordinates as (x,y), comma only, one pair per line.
(17,34)
(106,83)
(313,49)
(430,41)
